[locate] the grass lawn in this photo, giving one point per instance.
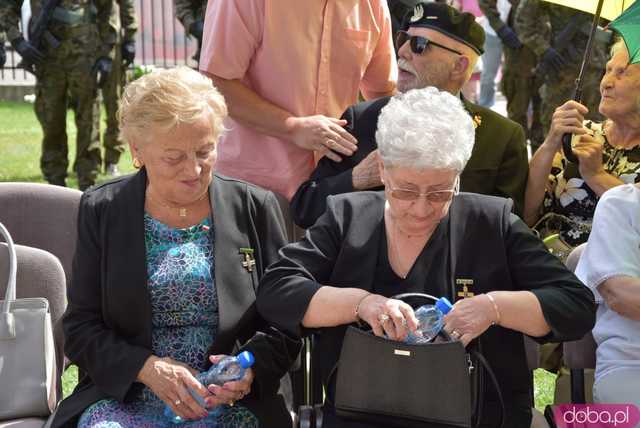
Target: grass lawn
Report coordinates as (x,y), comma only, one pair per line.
(20,139)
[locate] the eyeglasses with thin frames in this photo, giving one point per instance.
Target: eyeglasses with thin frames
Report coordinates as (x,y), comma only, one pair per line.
(419,44)
(436,196)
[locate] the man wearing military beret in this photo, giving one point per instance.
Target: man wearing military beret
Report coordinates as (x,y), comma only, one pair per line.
(439,47)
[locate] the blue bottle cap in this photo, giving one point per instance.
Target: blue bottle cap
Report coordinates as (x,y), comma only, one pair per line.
(444,305)
(246,359)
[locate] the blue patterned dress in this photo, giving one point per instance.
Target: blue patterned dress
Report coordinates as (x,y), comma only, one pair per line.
(184,324)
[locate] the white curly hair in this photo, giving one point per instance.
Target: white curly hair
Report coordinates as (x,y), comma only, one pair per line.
(425,128)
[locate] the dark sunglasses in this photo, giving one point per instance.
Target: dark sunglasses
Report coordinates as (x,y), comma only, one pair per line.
(418,44)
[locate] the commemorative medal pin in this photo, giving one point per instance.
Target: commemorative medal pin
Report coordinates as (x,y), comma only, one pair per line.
(248,262)
(465,284)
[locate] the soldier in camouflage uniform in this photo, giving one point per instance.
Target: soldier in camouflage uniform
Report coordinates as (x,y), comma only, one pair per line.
(124,54)
(520,61)
(541,26)
(191,14)
(65,71)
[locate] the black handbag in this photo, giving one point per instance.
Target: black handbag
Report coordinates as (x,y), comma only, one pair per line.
(391,383)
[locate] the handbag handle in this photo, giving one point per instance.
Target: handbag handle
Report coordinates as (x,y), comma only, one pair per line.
(10,294)
(7,322)
(406,297)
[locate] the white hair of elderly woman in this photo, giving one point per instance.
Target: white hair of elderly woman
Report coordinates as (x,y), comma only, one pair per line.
(425,128)
(165,98)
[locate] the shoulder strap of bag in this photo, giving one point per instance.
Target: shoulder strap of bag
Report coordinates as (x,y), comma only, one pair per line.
(453,240)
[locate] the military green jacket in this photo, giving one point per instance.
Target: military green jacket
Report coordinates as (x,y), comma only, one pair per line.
(538,24)
(101,16)
(190,11)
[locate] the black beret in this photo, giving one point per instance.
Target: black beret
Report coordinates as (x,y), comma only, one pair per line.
(461,26)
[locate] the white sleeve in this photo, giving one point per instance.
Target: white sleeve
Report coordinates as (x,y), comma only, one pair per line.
(613,248)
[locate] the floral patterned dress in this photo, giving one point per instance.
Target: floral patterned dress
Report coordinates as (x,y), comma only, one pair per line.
(570,196)
(184,319)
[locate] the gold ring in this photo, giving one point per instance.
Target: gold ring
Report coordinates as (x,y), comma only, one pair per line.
(231,403)
(455,334)
(383,318)
(330,144)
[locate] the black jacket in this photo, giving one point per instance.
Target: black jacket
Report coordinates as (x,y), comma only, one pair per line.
(488,244)
(108,321)
(498,164)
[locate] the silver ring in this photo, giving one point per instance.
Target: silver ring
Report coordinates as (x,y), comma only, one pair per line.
(455,334)
(177,402)
(383,318)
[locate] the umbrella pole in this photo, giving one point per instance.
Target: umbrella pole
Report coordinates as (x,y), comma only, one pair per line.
(577,96)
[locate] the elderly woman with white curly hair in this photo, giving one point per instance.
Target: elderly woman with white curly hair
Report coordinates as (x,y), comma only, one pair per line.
(421,235)
(165,274)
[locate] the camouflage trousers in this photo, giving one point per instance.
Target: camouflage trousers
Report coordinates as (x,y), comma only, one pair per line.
(560,88)
(57,84)
(519,89)
(111,94)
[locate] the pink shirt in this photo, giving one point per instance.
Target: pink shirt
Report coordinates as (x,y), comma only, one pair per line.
(306,56)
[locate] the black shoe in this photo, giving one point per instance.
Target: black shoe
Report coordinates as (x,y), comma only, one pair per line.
(84,186)
(58,182)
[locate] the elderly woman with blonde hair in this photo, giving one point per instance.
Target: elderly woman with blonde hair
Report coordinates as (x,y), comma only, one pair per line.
(608,153)
(421,235)
(165,274)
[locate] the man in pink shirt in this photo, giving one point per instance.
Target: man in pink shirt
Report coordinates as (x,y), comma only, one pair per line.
(287,70)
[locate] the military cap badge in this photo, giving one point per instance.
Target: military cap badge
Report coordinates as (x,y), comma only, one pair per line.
(418,13)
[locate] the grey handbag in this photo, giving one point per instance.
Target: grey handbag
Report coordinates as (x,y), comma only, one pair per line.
(27,354)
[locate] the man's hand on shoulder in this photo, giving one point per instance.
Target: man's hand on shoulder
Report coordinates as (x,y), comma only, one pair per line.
(366,175)
(323,134)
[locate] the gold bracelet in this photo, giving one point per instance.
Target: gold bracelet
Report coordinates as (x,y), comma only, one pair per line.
(357,311)
(495,307)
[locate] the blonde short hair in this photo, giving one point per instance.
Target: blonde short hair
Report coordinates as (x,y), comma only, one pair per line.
(164,99)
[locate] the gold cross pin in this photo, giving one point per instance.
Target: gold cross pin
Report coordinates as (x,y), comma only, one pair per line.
(249,262)
(466,283)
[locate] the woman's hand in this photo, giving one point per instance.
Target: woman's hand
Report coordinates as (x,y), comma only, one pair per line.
(387,316)
(230,392)
(170,380)
(589,152)
(469,318)
(567,119)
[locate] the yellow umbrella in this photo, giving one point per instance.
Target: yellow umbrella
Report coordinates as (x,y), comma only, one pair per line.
(611,9)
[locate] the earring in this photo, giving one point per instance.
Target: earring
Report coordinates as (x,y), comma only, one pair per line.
(136,163)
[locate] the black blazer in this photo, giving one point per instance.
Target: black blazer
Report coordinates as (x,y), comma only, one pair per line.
(107,325)
(489,245)
(498,165)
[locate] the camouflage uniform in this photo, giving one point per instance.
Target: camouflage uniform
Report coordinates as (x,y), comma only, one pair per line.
(84,30)
(112,91)
(3,52)
(517,83)
(189,12)
(538,24)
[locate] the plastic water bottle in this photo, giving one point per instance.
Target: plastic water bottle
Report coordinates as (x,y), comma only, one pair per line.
(430,321)
(228,369)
